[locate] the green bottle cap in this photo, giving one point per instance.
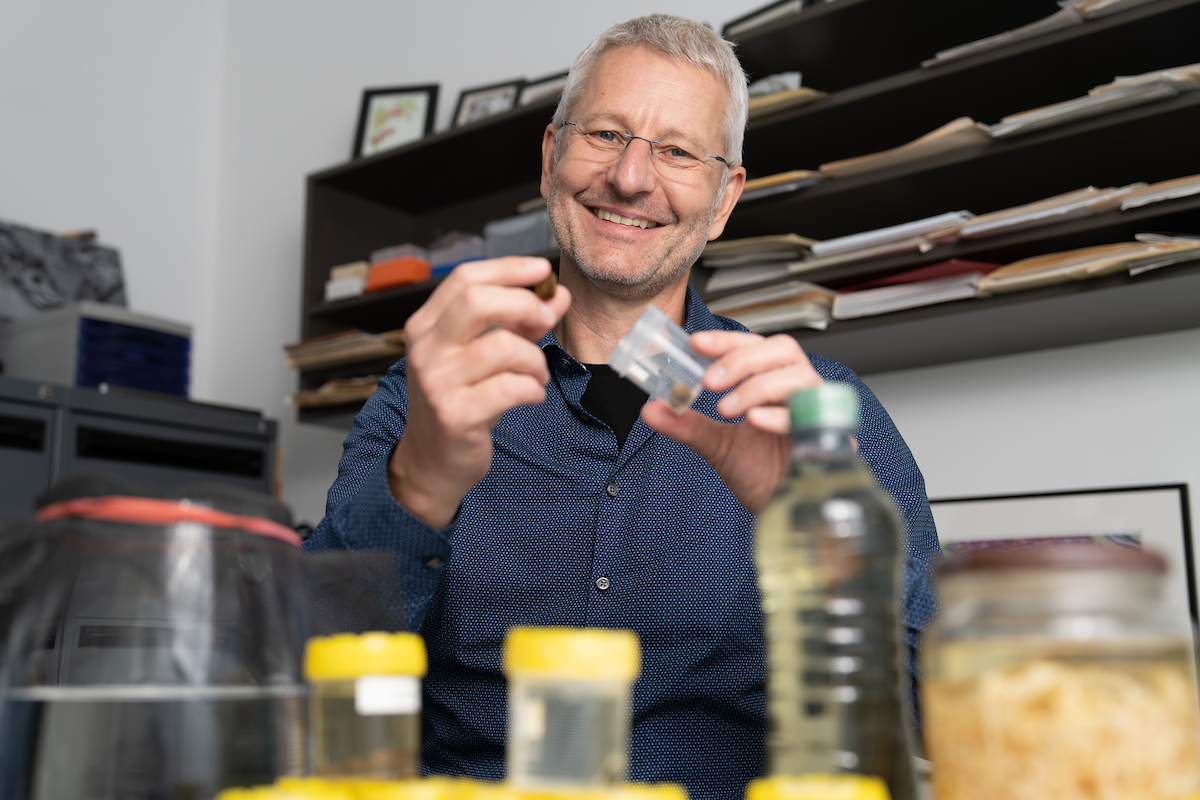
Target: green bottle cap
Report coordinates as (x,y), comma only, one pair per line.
(830,405)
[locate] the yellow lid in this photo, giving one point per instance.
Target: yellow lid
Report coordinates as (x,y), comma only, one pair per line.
(624,791)
(595,653)
(295,787)
(348,655)
(818,787)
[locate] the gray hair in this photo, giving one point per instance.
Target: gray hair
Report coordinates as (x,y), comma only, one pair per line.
(681,40)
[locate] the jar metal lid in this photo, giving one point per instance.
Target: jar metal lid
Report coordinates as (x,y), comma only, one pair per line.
(588,653)
(1067,557)
(346,656)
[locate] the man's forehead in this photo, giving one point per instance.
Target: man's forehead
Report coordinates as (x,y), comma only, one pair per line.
(619,96)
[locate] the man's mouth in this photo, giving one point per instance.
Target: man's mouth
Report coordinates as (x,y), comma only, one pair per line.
(630,221)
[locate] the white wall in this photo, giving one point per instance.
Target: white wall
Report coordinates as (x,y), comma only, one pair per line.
(1120,413)
(109,119)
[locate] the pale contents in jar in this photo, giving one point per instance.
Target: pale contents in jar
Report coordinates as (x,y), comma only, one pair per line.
(1065,730)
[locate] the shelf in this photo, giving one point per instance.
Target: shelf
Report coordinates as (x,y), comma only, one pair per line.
(1151,142)
(843,44)
(450,167)
(1067,64)
(1083,312)
(1172,216)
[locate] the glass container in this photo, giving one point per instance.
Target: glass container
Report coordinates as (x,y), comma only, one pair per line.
(365,704)
(1056,672)
(568,705)
(155,652)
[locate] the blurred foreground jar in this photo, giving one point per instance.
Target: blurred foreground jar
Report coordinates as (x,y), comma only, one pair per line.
(1055,672)
(365,704)
(568,705)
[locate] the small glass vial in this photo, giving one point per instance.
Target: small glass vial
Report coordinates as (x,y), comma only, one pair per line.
(1055,672)
(568,705)
(365,704)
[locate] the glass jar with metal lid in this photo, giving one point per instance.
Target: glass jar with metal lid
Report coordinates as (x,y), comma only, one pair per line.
(568,705)
(365,704)
(1055,671)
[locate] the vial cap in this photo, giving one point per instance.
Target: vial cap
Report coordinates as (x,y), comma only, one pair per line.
(589,653)
(818,787)
(346,656)
(830,405)
(624,791)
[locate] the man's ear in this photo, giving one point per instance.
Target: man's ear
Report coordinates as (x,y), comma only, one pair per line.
(548,142)
(733,190)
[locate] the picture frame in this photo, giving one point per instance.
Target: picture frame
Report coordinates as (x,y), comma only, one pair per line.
(482,102)
(1156,517)
(392,117)
(549,86)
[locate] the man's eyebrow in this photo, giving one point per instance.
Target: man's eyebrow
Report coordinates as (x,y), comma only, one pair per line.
(669,136)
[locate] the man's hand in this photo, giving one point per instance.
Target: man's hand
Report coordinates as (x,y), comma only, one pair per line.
(472,355)
(752,455)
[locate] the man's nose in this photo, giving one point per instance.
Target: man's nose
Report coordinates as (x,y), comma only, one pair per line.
(634,170)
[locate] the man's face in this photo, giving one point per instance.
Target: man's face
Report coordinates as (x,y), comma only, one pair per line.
(638,92)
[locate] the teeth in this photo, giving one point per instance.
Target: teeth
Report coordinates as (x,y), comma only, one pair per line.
(611,217)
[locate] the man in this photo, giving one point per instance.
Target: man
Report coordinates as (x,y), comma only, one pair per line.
(511,473)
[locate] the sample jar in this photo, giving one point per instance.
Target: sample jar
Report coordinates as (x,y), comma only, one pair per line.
(365,704)
(568,705)
(1055,672)
(657,355)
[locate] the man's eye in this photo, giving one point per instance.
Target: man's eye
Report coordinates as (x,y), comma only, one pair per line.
(608,137)
(673,153)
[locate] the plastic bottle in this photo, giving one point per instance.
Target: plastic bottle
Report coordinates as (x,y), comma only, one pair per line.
(365,704)
(828,554)
(568,705)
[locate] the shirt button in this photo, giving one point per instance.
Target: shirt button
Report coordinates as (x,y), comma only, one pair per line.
(562,362)
(612,489)
(602,583)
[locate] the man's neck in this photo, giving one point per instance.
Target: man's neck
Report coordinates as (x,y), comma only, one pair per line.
(597,320)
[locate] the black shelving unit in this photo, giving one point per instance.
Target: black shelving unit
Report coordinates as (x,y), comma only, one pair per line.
(867,54)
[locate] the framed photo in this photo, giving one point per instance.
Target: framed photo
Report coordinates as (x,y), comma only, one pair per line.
(486,101)
(1155,517)
(389,118)
(549,86)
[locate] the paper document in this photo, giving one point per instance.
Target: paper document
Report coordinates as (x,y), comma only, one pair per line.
(1173,189)
(1080,203)
(1063,18)
(954,135)
(779,101)
(952,220)
(885,299)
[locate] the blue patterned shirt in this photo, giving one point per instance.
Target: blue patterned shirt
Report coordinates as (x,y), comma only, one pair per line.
(567,530)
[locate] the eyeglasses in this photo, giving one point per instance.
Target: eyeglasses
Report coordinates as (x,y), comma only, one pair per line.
(605,146)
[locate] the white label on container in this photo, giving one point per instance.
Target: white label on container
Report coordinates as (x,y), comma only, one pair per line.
(375,695)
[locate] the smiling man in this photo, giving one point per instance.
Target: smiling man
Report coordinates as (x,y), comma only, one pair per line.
(520,481)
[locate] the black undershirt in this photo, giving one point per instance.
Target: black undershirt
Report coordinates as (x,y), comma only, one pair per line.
(613,400)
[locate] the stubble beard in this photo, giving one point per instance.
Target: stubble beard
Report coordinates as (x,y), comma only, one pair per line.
(613,278)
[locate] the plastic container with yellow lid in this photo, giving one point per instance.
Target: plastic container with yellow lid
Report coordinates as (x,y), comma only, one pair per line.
(818,787)
(568,705)
(365,704)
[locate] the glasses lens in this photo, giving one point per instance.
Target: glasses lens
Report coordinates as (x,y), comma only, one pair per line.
(604,146)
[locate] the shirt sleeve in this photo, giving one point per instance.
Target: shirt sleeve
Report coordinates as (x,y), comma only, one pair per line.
(361,514)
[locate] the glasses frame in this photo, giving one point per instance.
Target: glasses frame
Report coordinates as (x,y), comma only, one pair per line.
(629,137)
